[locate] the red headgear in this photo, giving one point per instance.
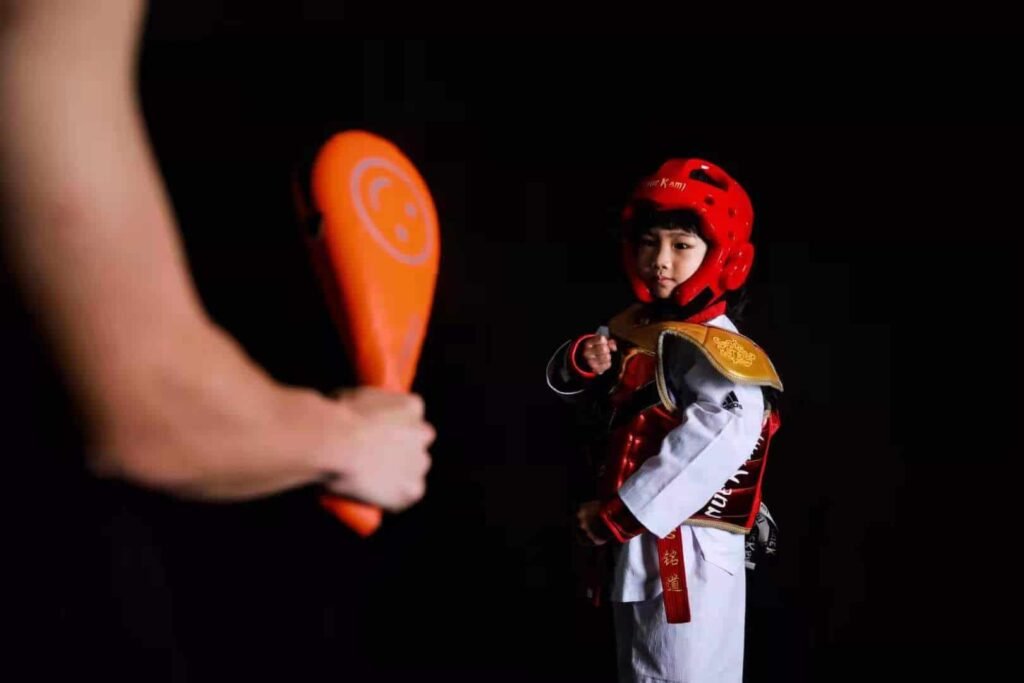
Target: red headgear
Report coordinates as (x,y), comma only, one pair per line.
(726,217)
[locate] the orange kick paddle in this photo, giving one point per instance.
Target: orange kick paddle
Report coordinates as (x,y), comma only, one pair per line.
(377,248)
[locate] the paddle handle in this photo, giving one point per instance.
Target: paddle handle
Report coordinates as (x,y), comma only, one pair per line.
(362,518)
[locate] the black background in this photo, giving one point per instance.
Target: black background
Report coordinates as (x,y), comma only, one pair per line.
(884,289)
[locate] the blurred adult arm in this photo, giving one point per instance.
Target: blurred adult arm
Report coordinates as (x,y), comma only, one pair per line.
(170,401)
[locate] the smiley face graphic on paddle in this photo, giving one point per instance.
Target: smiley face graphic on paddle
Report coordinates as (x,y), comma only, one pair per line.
(393,210)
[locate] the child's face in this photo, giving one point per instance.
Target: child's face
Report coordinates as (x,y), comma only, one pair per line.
(667,257)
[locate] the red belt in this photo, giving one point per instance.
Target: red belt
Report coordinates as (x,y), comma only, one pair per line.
(673,578)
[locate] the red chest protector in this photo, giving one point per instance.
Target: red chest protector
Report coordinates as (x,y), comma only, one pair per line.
(638,435)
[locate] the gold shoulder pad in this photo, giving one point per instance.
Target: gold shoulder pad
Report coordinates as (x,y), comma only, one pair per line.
(732,354)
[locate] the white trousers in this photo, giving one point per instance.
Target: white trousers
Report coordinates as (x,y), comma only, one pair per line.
(708,649)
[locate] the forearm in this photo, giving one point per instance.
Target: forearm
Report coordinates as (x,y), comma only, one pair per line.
(207,423)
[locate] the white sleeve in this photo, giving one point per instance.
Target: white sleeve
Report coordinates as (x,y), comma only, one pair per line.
(718,433)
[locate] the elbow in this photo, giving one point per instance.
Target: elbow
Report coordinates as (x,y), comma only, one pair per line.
(142,430)
(135,452)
